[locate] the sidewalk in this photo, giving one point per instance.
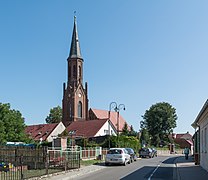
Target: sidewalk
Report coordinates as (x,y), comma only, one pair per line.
(187,170)
(73,174)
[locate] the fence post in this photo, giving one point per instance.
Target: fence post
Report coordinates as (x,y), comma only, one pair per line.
(47,162)
(21,164)
(80,152)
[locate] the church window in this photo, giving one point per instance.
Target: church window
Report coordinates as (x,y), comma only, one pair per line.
(80,72)
(80,109)
(69,72)
(74,71)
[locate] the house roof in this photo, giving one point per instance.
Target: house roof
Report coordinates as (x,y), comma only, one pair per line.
(40,131)
(195,123)
(86,128)
(103,114)
(186,136)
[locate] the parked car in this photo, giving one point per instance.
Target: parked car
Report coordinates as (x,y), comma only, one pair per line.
(132,154)
(154,152)
(117,156)
(146,152)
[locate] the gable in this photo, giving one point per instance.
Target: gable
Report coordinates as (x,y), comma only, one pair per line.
(103,114)
(43,131)
(86,128)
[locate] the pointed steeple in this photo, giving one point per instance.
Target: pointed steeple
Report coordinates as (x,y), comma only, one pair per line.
(75,51)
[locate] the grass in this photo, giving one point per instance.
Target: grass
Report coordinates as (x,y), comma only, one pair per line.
(89,162)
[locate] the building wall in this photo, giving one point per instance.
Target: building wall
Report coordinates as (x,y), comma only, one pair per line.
(203,123)
(58,130)
(105,130)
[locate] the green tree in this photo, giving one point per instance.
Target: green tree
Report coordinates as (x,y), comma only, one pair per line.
(132,132)
(144,139)
(12,126)
(125,130)
(160,120)
(55,115)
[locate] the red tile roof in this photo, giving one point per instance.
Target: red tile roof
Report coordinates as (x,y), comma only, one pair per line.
(86,128)
(103,114)
(184,136)
(40,131)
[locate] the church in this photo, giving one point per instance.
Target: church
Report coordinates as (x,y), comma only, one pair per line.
(75,96)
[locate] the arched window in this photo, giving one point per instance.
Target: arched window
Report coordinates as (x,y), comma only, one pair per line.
(74,71)
(80,71)
(80,109)
(69,72)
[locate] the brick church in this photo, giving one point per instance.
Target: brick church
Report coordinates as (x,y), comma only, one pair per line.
(75,99)
(75,94)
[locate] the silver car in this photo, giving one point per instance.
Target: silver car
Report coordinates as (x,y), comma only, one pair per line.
(117,156)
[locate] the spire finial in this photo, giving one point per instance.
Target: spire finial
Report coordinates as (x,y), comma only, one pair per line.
(75,14)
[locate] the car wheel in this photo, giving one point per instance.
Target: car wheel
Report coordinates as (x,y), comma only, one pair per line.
(107,164)
(125,162)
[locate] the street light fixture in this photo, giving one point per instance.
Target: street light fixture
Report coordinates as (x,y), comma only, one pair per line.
(117,108)
(113,105)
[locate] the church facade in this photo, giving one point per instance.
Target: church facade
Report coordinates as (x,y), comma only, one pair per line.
(75,98)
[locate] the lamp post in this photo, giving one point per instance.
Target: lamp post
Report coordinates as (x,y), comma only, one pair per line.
(113,105)
(117,108)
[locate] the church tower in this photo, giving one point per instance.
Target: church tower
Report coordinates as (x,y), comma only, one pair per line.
(75,100)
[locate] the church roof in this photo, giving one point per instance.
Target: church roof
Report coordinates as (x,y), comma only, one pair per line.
(86,128)
(75,51)
(103,114)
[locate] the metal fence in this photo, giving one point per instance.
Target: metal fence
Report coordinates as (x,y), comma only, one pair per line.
(27,162)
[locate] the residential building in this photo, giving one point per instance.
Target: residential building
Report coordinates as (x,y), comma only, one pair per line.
(117,121)
(45,132)
(92,128)
(201,136)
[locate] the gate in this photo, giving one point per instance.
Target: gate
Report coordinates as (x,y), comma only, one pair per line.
(66,159)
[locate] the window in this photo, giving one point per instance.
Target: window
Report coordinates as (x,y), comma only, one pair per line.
(80,109)
(69,72)
(106,131)
(80,72)
(74,71)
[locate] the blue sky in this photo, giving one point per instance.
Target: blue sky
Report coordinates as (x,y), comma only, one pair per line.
(135,52)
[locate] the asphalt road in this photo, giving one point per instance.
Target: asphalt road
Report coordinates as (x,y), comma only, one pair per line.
(155,168)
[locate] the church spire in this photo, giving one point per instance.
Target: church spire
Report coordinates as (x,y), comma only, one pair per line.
(75,51)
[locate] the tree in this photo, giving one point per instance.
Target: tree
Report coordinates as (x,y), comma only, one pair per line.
(159,120)
(132,132)
(144,138)
(55,115)
(125,130)
(12,126)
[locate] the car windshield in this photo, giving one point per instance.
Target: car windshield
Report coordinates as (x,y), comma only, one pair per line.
(129,150)
(115,151)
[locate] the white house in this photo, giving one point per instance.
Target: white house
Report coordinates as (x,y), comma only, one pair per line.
(201,126)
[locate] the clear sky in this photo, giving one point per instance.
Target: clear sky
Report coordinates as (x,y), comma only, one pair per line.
(135,52)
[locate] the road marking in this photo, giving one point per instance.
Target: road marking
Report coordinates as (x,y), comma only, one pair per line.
(154,171)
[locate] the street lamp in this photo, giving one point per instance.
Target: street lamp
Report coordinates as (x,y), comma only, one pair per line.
(117,108)
(113,105)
